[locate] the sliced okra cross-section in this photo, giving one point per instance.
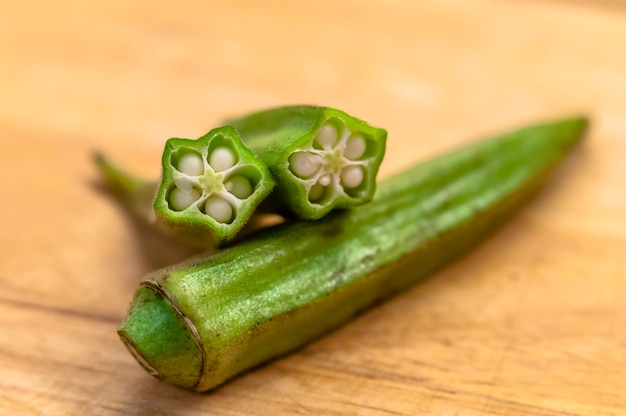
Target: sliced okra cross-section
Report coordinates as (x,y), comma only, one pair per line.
(321,158)
(210,186)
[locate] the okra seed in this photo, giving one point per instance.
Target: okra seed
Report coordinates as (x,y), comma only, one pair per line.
(184,184)
(325,179)
(221,159)
(239,186)
(352,176)
(316,193)
(218,209)
(355,147)
(181,200)
(191,164)
(305,164)
(327,136)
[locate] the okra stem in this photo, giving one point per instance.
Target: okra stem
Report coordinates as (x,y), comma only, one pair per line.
(134,193)
(322,158)
(202,322)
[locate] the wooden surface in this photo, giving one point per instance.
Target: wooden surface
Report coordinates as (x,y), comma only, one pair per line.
(530,323)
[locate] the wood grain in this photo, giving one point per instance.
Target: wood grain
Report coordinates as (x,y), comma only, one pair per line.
(530,323)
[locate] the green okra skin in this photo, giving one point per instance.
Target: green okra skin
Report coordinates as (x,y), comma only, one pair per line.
(210,186)
(202,322)
(321,158)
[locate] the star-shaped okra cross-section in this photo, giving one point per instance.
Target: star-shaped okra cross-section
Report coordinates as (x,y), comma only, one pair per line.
(211,185)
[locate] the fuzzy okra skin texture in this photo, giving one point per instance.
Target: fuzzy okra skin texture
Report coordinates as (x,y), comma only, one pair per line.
(321,158)
(210,186)
(200,323)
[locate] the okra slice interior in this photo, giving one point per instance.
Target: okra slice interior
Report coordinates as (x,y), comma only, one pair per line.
(210,186)
(322,158)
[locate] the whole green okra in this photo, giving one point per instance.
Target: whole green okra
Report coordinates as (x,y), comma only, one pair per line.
(209,188)
(322,158)
(202,322)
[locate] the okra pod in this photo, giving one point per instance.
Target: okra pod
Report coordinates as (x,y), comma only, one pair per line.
(202,322)
(209,187)
(321,158)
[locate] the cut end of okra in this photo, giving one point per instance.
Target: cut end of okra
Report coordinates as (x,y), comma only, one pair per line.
(321,157)
(211,184)
(162,340)
(338,167)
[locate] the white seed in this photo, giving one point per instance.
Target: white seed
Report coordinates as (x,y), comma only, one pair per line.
(184,184)
(327,136)
(221,159)
(355,147)
(181,200)
(305,164)
(317,192)
(352,176)
(218,209)
(191,164)
(325,179)
(239,186)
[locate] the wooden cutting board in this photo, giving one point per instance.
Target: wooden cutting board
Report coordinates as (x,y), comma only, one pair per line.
(530,323)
